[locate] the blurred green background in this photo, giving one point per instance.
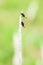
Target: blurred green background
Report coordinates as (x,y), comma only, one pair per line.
(9,20)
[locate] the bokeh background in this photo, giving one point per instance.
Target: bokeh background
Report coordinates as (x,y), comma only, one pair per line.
(9,21)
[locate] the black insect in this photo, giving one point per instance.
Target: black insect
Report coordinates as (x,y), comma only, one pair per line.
(22,14)
(22,23)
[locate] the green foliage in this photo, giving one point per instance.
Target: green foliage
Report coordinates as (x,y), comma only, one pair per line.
(9,19)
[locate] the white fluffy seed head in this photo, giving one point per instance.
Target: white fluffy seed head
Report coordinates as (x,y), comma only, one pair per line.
(32,10)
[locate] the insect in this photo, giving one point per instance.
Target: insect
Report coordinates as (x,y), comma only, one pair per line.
(22,23)
(22,14)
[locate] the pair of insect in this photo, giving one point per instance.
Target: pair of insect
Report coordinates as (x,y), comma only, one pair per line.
(22,23)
